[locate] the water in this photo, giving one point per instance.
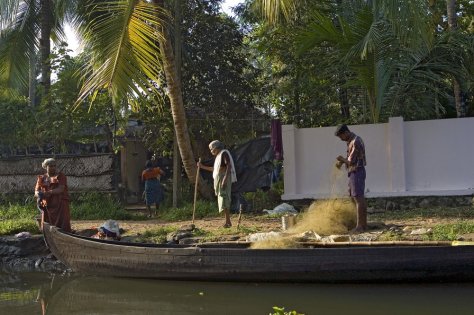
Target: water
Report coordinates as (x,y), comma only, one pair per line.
(38,293)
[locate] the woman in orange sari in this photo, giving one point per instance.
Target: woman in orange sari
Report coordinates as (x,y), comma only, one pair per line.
(154,193)
(53,198)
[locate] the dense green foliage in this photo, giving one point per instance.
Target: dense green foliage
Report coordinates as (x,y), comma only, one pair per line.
(57,122)
(362,61)
(18,217)
(323,63)
(94,206)
(10,227)
(316,63)
(218,83)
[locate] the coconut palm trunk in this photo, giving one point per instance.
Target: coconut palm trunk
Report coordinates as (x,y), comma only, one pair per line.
(175,95)
(45,45)
(452,23)
(32,81)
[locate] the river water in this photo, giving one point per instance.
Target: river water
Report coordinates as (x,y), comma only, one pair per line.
(40,293)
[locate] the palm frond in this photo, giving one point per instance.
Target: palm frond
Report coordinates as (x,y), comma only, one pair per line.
(18,43)
(424,71)
(127,63)
(410,20)
(8,12)
(321,29)
(273,11)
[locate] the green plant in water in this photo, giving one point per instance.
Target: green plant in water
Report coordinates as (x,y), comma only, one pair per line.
(281,311)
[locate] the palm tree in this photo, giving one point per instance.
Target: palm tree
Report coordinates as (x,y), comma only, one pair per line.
(374,40)
(26,28)
(131,46)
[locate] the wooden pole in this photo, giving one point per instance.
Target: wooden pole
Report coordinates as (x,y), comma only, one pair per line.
(196,188)
(240,216)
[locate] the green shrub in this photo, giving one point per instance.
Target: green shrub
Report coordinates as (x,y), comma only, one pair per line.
(451,232)
(260,199)
(204,209)
(17,211)
(9,227)
(95,206)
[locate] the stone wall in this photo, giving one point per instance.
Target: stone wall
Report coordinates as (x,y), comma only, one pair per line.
(84,173)
(407,203)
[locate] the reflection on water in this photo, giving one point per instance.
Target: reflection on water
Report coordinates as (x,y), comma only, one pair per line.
(38,293)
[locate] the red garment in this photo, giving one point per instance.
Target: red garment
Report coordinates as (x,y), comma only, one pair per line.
(150,173)
(57,210)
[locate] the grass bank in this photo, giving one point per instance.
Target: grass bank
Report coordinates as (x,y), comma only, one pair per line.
(20,215)
(446,224)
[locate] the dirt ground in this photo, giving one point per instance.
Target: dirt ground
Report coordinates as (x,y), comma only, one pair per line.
(251,223)
(248,222)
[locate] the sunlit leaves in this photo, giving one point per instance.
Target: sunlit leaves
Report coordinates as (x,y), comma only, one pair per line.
(124,57)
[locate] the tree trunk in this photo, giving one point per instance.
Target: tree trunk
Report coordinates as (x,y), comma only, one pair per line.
(174,91)
(177,53)
(45,45)
(344,99)
(451,10)
(296,100)
(452,24)
(32,81)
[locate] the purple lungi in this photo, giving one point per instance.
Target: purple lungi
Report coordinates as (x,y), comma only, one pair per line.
(357,182)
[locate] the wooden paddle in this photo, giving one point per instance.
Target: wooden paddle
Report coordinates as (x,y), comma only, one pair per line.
(240,217)
(196,188)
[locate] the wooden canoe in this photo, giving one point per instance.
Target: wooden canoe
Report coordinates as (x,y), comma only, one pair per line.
(236,262)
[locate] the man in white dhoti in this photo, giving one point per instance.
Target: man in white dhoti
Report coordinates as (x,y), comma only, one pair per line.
(224,175)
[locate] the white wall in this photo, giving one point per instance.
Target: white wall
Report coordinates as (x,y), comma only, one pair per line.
(403,158)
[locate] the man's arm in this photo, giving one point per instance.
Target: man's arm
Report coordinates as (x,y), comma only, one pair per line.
(226,161)
(204,167)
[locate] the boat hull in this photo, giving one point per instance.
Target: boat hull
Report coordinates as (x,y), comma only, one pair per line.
(333,264)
